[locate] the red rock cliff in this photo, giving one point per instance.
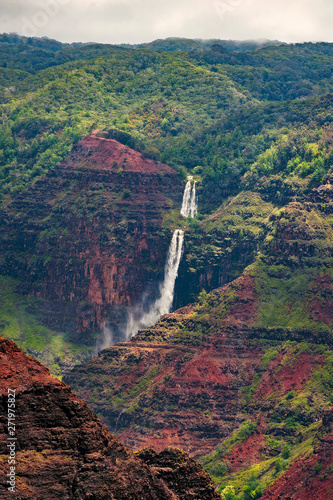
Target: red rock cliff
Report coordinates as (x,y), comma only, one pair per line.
(90,231)
(62,451)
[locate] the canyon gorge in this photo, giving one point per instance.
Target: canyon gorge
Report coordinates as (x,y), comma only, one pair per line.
(166,283)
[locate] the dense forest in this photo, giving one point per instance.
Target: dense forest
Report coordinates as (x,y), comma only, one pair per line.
(240,374)
(217,113)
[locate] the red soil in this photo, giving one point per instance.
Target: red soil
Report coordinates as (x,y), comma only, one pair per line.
(243,311)
(247,453)
(19,369)
(208,367)
(159,440)
(107,154)
(281,378)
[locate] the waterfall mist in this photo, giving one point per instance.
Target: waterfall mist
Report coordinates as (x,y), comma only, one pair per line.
(107,339)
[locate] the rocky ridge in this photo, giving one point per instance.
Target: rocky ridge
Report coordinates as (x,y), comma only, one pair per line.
(91,229)
(62,450)
(84,242)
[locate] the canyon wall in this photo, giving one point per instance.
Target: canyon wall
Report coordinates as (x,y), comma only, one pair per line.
(241,379)
(90,232)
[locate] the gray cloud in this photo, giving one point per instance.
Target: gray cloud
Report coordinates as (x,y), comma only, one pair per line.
(116,21)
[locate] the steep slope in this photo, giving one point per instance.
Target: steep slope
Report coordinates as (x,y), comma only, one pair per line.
(88,238)
(67,222)
(243,377)
(153,95)
(62,451)
(223,244)
(188,109)
(309,476)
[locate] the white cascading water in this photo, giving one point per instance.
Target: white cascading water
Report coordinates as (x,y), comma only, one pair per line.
(138,318)
(189,205)
(184,211)
(193,204)
(107,339)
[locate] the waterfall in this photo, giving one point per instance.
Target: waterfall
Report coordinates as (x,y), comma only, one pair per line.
(189,205)
(185,210)
(138,319)
(193,202)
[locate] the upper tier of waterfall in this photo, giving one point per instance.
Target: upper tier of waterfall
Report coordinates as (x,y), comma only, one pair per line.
(189,206)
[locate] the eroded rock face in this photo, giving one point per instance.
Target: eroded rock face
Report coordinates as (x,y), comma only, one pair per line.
(241,376)
(181,473)
(62,450)
(179,382)
(90,232)
(182,381)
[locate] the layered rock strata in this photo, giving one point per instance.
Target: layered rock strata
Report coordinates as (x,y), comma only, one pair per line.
(90,232)
(62,450)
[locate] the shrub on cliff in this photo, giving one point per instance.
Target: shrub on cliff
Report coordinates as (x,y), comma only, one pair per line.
(123,137)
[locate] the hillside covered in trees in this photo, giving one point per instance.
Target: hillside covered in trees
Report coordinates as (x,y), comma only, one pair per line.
(96,144)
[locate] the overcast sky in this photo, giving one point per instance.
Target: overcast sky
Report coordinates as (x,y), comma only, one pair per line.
(135,21)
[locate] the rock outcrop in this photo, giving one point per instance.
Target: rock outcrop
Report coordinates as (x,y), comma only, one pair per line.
(90,232)
(62,450)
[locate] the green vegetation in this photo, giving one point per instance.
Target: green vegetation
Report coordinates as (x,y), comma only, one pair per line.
(252,480)
(171,105)
(283,301)
(251,490)
(281,73)
(214,464)
(253,125)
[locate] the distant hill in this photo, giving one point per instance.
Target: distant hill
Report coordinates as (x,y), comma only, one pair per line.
(174,44)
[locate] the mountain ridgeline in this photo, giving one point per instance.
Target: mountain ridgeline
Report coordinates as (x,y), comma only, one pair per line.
(171,206)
